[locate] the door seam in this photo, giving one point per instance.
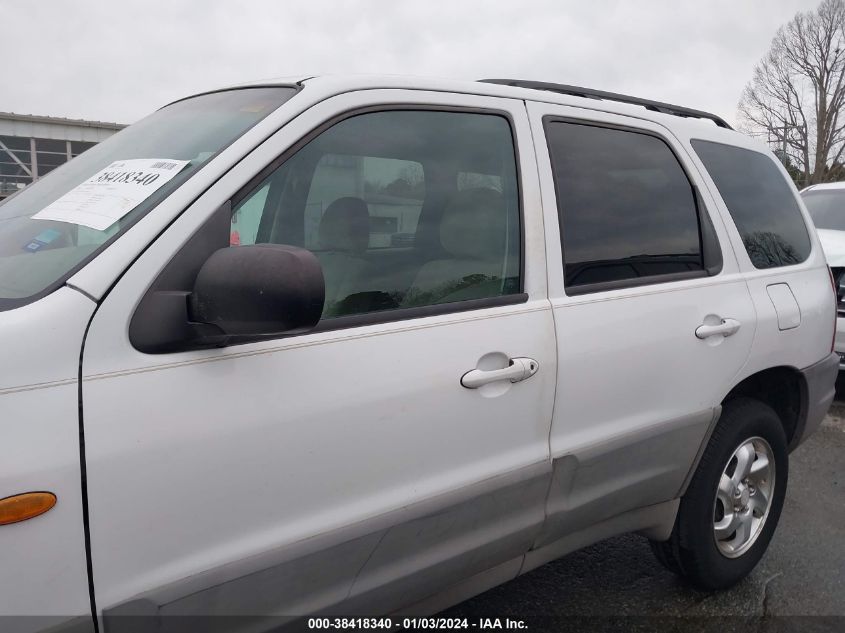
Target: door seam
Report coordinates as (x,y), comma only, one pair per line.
(548,301)
(83,474)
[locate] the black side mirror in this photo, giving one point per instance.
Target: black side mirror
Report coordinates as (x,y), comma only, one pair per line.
(247,292)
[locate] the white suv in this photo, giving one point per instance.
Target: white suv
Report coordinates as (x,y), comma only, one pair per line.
(371,345)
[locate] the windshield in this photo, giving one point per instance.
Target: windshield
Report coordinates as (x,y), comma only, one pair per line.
(56,224)
(827,208)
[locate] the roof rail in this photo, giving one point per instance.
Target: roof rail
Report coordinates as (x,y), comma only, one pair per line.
(589,93)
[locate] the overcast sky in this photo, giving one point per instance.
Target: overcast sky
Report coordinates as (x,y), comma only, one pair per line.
(118,60)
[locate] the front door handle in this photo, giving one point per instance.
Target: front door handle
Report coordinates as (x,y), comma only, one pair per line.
(725,328)
(518,369)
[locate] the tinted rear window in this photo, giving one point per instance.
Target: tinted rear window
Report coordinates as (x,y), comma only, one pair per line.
(626,208)
(760,201)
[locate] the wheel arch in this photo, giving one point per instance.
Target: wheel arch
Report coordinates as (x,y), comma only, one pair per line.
(784,389)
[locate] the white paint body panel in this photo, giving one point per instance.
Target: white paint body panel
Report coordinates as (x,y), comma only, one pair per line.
(43,569)
(833,243)
(342,427)
(809,283)
(632,375)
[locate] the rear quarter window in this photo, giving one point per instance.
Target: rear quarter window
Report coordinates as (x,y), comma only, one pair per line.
(760,202)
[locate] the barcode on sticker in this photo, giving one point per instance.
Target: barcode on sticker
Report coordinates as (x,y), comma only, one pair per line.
(163,165)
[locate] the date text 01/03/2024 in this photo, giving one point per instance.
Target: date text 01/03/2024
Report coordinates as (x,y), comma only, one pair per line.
(432,623)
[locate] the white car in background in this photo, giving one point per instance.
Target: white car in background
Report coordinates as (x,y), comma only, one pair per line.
(826,204)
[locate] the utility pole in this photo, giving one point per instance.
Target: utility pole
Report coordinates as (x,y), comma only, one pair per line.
(774,130)
(779,133)
(784,145)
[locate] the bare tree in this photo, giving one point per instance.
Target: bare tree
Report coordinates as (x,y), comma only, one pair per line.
(797,92)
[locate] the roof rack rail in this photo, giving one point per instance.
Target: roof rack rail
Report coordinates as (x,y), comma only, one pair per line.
(589,93)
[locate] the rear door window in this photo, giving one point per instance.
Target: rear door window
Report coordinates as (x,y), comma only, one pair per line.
(760,202)
(627,211)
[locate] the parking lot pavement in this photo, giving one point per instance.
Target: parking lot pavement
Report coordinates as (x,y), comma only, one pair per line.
(802,573)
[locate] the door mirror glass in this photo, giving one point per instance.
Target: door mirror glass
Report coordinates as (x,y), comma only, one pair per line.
(250,291)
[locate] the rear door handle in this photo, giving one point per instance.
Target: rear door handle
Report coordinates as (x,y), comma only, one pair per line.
(519,369)
(726,328)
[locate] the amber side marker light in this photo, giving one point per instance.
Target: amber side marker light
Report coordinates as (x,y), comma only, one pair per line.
(25,506)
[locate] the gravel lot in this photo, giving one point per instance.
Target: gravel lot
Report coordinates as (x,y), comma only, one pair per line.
(615,584)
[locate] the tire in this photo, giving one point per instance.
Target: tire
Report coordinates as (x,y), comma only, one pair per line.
(662,551)
(710,559)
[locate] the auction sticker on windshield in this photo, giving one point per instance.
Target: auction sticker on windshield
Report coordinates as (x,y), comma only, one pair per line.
(110,194)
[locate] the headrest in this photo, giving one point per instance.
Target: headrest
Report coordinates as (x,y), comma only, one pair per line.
(474,224)
(345,226)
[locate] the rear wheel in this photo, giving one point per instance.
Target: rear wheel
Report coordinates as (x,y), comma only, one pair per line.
(731,509)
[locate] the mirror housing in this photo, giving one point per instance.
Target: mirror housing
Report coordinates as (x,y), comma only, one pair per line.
(251,292)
